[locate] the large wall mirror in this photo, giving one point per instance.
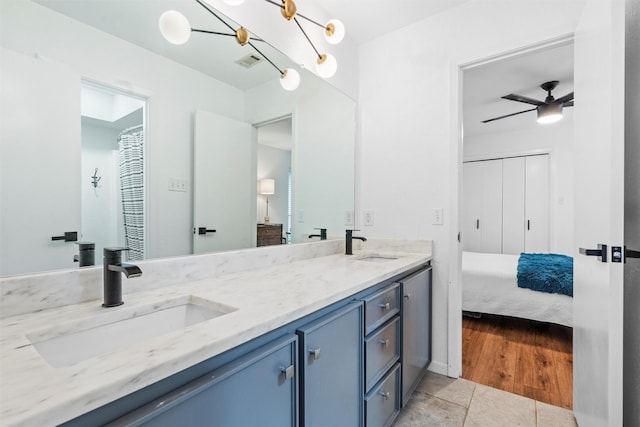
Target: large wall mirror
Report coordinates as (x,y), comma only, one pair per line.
(211,117)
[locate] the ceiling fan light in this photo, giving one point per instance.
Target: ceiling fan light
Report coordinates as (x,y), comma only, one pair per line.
(334,31)
(175,27)
(290,79)
(326,66)
(549,113)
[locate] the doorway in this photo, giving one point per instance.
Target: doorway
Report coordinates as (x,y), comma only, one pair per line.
(512,338)
(113,147)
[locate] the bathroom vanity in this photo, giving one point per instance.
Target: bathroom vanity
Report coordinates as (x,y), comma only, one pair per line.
(333,339)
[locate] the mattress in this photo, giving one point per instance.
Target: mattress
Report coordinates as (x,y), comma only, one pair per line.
(489,285)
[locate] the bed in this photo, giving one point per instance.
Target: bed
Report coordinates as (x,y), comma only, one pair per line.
(489,286)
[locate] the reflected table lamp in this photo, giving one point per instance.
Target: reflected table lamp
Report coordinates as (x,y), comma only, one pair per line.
(266,188)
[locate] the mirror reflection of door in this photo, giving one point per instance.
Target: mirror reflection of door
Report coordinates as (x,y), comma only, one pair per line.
(112,170)
(274,162)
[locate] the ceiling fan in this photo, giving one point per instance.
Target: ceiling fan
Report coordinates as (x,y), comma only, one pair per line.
(549,110)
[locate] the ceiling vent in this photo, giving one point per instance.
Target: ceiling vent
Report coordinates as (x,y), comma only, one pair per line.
(249,60)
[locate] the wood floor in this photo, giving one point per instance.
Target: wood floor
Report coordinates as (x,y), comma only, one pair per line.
(519,356)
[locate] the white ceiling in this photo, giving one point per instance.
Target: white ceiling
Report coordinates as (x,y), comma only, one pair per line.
(484,86)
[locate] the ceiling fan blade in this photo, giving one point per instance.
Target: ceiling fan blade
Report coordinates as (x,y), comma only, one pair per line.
(563,99)
(525,99)
(508,115)
(568,104)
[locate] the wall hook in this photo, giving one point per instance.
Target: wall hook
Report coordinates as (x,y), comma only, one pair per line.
(95,179)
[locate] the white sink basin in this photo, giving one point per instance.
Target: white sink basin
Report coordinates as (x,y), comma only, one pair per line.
(114,332)
(377,258)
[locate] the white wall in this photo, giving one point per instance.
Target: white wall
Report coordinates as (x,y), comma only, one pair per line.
(276,164)
(408,160)
(99,206)
(556,139)
(173,91)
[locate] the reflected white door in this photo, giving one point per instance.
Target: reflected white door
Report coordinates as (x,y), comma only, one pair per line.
(224,188)
(39,102)
(599,213)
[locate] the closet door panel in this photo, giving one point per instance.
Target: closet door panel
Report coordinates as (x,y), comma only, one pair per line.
(491,220)
(513,223)
(537,204)
(472,206)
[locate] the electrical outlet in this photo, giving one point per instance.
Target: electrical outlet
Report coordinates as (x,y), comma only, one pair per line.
(178,184)
(368,218)
(438,216)
(348,218)
(300,216)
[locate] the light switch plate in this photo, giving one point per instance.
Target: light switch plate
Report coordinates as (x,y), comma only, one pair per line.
(368,218)
(348,218)
(300,216)
(438,216)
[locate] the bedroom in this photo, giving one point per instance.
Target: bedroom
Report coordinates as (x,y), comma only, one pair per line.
(517,198)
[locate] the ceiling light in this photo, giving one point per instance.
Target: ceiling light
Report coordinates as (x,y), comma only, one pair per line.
(334,33)
(175,28)
(290,79)
(549,113)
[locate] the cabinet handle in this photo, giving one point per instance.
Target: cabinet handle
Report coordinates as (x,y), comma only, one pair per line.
(384,394)
(384,341)
(528,224)
(477,224)
(407,296)
(384,306)
(288,371)
(315,352)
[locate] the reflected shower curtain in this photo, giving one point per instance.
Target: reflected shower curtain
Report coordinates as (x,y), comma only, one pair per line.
(131,150)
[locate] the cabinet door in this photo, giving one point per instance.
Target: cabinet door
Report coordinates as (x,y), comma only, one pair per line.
(537,204)
(331,369)
(416,330)
(482,203)
(513,223)
(258,389)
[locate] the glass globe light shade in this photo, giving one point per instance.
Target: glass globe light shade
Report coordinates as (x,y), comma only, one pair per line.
(326,68)
(549,113)
(337,34)
(175,27)
(290,79)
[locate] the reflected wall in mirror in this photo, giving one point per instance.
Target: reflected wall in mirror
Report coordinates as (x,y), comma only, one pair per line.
(50,47)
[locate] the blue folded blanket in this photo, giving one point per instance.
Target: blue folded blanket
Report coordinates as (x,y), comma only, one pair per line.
(551,273)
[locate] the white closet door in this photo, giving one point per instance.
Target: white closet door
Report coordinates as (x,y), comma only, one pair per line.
(472,206)
(513,221)
(491,222)
(537,204)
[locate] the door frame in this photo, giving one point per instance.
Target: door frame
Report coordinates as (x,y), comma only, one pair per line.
(456,72)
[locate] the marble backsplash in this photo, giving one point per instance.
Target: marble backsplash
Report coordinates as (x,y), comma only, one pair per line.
(36,292)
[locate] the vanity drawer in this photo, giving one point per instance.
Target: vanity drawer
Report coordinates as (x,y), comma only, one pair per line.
(380,307)
(382,350)
(382,404)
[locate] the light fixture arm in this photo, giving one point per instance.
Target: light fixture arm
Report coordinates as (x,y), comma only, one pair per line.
(281,6)
(214,14)
(307,37)
(265,57)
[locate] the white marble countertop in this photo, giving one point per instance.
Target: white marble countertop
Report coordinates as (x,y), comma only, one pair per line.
(34,393)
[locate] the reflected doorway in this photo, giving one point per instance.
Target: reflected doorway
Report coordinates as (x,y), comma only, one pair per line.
(113,141)
(275,144)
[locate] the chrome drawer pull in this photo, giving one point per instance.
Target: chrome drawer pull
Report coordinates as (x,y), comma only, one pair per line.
(408,296)
(384,306)
(384,341)
(315,352)
(384,394)
(288,371)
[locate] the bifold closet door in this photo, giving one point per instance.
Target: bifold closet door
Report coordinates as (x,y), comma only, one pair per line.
(536,204)
(482,198)
(513,198)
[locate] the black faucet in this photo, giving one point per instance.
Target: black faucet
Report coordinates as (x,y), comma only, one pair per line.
(322,235)
(348,244)
(86,254)
(112,284)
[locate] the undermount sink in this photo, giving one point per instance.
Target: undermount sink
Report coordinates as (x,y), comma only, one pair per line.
(115,332)
(377,258)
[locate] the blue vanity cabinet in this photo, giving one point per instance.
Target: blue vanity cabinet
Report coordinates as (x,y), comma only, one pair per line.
(331,369)
(258,389)
(416,329)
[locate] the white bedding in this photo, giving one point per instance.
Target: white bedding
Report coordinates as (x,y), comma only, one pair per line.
(489,285)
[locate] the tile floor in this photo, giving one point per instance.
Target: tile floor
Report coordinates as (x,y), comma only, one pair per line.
(446,402)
